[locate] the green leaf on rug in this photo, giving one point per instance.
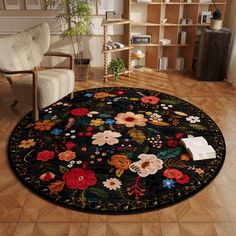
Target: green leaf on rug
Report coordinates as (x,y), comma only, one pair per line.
(172,163)
(137,135)
(146,149)
(97,192)
(63,169)
(198,127)
(170,102)
(105,115)
(170,153)
(180,113)
(84,120)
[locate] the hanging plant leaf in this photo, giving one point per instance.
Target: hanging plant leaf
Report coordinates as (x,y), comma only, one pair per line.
(137,135)
(63,169)
(172,163)
(198,127)
(170,153)
(180,113)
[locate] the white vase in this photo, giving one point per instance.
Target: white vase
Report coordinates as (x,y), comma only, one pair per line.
(216,24)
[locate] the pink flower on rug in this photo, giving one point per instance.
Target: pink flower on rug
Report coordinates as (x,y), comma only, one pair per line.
(150,100)
(45,155)
(149,164)
(80,111)
(107,136)
(48,176)
(78,178)
(129,119)
(68,155)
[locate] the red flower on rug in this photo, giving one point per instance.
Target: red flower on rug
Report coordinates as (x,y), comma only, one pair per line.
(70,145)
(78,178)
(172,143)
(172,173)
(150,100)
(80,111)
(45,155)
(183,180)
(48,176)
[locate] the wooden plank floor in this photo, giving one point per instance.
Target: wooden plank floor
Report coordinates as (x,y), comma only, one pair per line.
(211,212)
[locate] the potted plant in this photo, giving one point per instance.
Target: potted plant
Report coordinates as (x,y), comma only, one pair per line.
(216,21)
(117,66)
(77,15)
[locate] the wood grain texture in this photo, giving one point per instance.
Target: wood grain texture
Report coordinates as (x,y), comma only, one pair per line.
(210,212)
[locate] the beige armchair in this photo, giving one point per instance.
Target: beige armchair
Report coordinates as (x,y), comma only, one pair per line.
(20,57)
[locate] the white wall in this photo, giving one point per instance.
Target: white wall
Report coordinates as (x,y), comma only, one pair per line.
(230,22)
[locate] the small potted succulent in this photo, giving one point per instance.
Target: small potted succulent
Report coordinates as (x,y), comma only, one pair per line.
(216,20)
(117,66)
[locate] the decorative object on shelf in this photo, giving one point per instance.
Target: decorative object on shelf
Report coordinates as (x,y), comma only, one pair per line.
(141,39)
(144,1)
(164,21)
(117,66)
(216,21)
(183,21)
(163,63)
(12,4)
(189,21)
(32,4)
(77,15)
(182,38)
(139,54)
(113,16)
(115,151)
(164,42)
(188,1)
(206,17)
(119,45)
(180,63)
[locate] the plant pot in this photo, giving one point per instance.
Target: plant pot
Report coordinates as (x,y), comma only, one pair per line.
(216,24)
(81,69)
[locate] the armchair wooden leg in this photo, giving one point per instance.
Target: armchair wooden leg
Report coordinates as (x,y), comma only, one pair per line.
(13,105)
(72,95)
(35,113)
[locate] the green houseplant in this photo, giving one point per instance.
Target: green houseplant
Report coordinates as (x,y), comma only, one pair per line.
(216,20)
(76,15)
(117,66)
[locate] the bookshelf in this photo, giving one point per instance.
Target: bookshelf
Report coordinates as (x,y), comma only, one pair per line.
(148,18)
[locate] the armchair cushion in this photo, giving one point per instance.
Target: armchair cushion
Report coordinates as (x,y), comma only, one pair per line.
(53,85)
(25,50)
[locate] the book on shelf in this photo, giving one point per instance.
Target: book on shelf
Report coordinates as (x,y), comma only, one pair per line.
(198,148)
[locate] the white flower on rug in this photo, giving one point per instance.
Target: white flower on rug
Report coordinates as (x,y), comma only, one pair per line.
(107,136)
(129,119)
(149,164)
(112,183)
(193,119)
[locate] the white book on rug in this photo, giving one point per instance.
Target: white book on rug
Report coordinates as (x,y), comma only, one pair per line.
(198,148)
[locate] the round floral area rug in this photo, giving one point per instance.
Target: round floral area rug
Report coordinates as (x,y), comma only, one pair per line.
(115,151)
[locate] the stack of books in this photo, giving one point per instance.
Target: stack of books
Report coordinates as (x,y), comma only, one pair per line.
(163,63)
(198,148)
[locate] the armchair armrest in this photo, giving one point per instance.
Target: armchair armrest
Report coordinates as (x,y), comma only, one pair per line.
(61,54)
